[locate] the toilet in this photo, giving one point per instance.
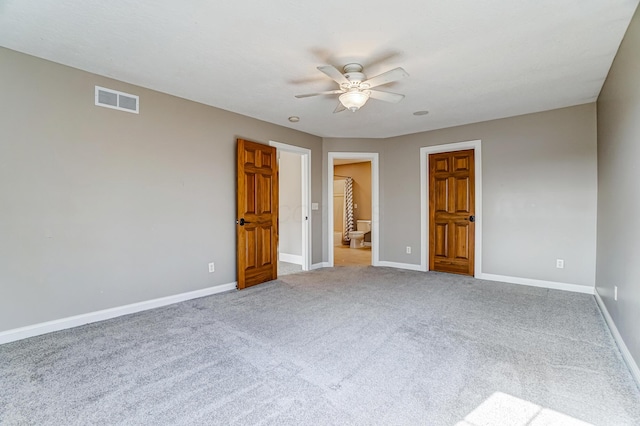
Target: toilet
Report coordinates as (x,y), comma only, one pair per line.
(357,236)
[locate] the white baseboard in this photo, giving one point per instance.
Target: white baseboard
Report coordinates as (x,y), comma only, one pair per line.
(538,283)
(290,258)
(319,265)
(409,266)
(77,320)
(631,363)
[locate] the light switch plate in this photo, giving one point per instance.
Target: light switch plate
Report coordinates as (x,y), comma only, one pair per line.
(314,206)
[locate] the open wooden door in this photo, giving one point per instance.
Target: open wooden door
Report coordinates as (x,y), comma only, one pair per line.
(257,214)
(452,212)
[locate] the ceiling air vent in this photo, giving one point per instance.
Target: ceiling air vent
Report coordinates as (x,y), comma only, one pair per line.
(117,100)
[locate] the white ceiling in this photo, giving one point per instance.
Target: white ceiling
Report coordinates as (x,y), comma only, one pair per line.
(468,60)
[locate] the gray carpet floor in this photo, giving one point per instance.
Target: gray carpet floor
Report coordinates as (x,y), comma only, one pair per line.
(286,268)
(349,345)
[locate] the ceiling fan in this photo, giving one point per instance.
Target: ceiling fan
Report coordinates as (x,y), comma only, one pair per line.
(355,88)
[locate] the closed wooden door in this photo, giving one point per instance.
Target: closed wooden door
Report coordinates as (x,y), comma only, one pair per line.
(452,212)
(257,219)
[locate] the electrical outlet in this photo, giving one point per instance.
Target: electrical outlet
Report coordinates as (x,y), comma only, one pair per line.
(212,267)
(560,263)
(355,206)
(615,293)
(408,249)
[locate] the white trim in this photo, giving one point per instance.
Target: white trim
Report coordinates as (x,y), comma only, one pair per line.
(375,196)
(305,160)
(476,145)
(408,266)
(624,350)
(290,258)
(82,319)
(320,265)
(538,283)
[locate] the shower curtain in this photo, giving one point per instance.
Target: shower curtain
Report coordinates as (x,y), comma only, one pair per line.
(348,208)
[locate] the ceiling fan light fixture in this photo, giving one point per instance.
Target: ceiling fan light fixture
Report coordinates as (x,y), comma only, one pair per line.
(354,100)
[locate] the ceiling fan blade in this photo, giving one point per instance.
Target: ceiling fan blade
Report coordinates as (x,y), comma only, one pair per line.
(334,73)
(386,96)
(339,108)
(386,77)
(328,92)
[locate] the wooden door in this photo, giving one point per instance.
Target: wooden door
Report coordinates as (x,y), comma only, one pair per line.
(451,212)
(257,214)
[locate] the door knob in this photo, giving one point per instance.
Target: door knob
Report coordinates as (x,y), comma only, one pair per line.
(241,222)
(472,218)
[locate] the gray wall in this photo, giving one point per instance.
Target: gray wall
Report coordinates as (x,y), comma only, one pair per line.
(539,192)
(290,214)
(618,193)
(101,208)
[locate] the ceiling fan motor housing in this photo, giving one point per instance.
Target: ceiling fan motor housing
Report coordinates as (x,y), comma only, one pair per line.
(353,73)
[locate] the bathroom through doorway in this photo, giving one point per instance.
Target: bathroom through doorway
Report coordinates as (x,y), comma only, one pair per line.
(353,199)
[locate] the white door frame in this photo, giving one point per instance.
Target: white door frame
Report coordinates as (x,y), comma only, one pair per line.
(375,207)
(424,199)
(305,218)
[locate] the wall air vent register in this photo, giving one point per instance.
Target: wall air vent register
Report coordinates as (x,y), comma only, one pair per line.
(117,100)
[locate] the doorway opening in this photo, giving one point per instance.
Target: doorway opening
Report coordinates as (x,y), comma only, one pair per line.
(294,227)
(353,209)
(429,236)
